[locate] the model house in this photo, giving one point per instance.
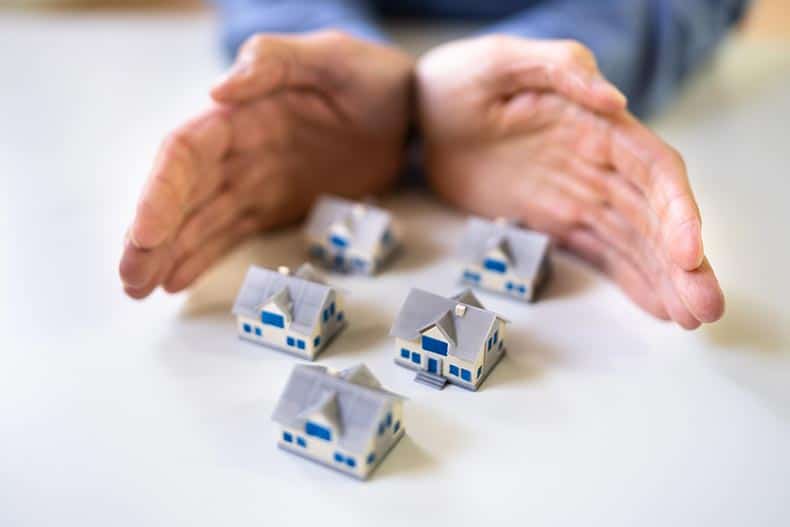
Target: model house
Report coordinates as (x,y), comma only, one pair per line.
(298,313)
(350,237)
(445,340)
(500,256)
(344,420)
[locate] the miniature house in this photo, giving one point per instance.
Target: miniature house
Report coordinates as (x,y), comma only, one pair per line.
(500,256)
(344,420)
(448,339)
(350,237)
(298,313)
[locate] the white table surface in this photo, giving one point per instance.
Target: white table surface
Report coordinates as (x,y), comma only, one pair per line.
(115,412)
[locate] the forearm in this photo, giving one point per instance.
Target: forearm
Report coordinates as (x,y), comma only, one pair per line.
(645,47)
(242,18)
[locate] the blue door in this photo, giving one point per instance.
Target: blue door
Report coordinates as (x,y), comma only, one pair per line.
(433,366)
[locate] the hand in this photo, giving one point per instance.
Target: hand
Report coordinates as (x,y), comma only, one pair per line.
(296,116)
(531,130)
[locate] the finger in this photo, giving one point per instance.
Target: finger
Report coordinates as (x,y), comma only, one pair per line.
(141,270)
(590,247)
(565,67)
(659,171)
(700,292)
(187,271)
(214,217)
(186,157)
(268,63)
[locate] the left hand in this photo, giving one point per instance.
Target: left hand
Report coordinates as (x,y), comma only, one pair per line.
(531,130)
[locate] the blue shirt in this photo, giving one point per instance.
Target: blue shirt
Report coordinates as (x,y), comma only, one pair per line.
(645,47)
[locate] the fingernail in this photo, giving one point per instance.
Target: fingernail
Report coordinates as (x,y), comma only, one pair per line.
(611,91)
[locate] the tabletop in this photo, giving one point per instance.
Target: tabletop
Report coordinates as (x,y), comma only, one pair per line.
(116,412)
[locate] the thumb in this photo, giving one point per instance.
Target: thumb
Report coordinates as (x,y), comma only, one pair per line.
(268,63)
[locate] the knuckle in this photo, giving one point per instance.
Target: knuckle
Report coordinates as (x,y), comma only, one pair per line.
(574,52)
(336,36)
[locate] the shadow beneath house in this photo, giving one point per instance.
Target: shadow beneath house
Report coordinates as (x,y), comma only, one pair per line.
(511,371)
(424,426)
(406,457)
(368,328)
(750,327)
(569,276)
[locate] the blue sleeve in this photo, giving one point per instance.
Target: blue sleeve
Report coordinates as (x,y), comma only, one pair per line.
(645,47)
(242,18)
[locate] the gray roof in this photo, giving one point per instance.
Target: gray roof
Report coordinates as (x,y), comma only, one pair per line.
(352,400)
(524,249)
(303,298)
(466,333)
(365,223)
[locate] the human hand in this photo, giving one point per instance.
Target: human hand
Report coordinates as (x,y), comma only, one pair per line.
(296,116)
(531,130)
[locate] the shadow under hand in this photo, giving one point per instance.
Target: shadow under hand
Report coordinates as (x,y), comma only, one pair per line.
(748,326)
(568,276)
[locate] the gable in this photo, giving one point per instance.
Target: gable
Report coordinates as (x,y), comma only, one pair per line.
(436,333)
(274,308)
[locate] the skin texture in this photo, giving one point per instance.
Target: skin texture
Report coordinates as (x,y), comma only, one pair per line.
(531,130)
(293,118)
(512,127)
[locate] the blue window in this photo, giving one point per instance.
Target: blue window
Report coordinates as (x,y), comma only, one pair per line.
(316,430)
(332,308)
(382,428)
(338,241)
(509,286)
(300,344)
(496,336)
(247,328)
(301,442)
(316,342)
(339,457)
(404,353)
(496,266)
(489,343)
(396,427)
(416,357)
(317,251)
(359,263)
(350,462)
(340,317)
(501,343)
(386,238)
(479,371)
(522,289)
(433,345)
(471,276)
(466,374)
(453,370)
(371,458)
(326,315)
(258,331)
(389,419)
(290,341)
(272,319)
(288,437)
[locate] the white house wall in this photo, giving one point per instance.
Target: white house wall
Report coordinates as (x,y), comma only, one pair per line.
(324,451)
(498,281)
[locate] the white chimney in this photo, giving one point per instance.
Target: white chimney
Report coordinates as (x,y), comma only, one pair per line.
(460,310)
(358,210)
(284,270)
